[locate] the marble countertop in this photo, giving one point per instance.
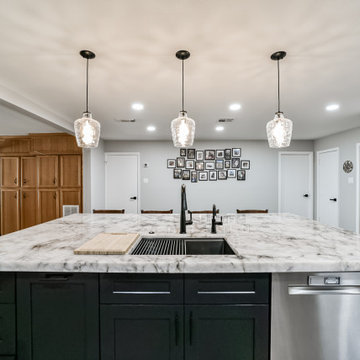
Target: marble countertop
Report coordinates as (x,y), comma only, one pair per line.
(262,243)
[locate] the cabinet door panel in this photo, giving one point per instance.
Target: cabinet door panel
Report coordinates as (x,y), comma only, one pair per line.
(58,317)
(47,171)
(28,208)
(10,211)
(10,171)
(7,329)
(28,172)
(70,197)
(48,205)
(7,288)
(70,170)
(231,332)
(138,332)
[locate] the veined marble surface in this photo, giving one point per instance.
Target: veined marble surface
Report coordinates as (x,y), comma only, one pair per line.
(262,243)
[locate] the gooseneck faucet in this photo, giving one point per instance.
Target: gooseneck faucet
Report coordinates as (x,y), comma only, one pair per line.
(214,222)
(183,221)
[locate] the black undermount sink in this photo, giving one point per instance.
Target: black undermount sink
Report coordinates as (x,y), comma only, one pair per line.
(182,246)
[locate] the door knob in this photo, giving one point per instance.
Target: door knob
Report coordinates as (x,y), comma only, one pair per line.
(133,198)
(306,195)
(333,199)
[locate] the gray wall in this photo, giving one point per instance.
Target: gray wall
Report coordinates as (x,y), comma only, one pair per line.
(346,142)
(163,192)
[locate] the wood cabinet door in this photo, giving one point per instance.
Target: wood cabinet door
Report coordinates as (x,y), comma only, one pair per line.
(70,197)
(10,211)
(70,170)
(139,332)
(48,205)
(10,171)
(58,316)
(47,167)
(28,171)
(230,332)
(28,208)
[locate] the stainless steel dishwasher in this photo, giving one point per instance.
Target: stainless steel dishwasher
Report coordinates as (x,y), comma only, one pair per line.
(315,316)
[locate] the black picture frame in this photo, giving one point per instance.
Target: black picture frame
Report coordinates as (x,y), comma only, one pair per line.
(199,155)
(227,164)
(186,175)
(231,173)
(236,152)
(191,154)
(220,153)
(227,154)
(222,175)
(203,176)
(235,163)
(194,176)
(241,175)
(199,166)
(219,164)
(245,164)
(209,155)
(177,174)
(171,163)
(180,162)
(209,165)
(213,175)
(190,164)
(182,152)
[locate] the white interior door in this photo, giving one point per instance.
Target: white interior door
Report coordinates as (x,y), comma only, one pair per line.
(328,187)
(296,183)
(122,181)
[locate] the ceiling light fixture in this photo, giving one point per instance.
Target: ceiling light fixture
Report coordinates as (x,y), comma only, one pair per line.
(332,107)
(151,128)
(87,129)
(183,127)
(235,107)
(279,130)
(219,128)
(137,106)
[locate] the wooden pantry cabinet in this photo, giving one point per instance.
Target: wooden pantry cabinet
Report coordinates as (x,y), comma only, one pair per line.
(37,177)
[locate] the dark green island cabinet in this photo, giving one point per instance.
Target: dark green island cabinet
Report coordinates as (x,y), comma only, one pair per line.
(74,316)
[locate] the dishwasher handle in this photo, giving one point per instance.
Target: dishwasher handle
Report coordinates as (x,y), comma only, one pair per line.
(324,290)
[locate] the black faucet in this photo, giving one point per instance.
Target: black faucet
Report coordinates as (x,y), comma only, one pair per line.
(214,222)
(183,221)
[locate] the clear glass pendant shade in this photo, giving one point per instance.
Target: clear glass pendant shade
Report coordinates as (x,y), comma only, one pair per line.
(279,131)
(183,130)
(87,131)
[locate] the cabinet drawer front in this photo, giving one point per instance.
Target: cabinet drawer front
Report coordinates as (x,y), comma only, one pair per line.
(141,289)
(7,288)
(7,357)
(7,329)
(227,289)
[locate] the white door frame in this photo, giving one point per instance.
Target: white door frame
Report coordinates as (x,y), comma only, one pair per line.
(311,176)
(357,210)
(336,149)
(137,154)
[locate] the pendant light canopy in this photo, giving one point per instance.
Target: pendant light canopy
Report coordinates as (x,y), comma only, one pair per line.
(183,127)
(279,130)
(87,129)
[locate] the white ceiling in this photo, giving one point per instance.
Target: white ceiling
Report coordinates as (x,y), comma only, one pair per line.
(230,43)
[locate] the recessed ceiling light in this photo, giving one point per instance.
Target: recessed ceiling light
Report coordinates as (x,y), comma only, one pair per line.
(151,128)
(332,107)
(137,106)
(235,107)
(219,128)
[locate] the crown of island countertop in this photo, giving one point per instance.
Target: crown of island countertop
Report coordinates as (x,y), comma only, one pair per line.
(262,243)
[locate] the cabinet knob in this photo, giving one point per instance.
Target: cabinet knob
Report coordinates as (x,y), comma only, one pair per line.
(333,199)
(55,196)
(15,180)
(54,180)
(24,195)
(25,181)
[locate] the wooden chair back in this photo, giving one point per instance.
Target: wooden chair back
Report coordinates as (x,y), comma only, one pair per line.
(122,211)
(157,211)
(252,211)
(204,211)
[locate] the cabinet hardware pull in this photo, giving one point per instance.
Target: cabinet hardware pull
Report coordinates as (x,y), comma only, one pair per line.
(176,329)
(54,180)
(25,181)
(24,196)
(323,290)
(15,196)
(54,277)
(55,196)
(190,327)
(142,292)
(15,180)
(226,292)
(333,199)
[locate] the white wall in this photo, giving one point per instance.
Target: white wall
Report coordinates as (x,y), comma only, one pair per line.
(163,192)
(346,142)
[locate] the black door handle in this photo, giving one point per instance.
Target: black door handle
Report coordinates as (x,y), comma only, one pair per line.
(176,329)
(190,328)
(333,199)
(133,198)
(306,195)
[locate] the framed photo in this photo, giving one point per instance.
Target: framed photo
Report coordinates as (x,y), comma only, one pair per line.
(182,152)
(191,153)
(186,175)
(231,173)
(241,174)
(236,152)
(227,154)
(203,176)
(227,164)
(190,164)
(219,164)
(180,162)
(245,164)
(235,162)
(199,166)
(199,155)
(171,163)
(213,175)
(219,153)
(209,165)
(209,154)
(194,177)
(222,174)
(177,173)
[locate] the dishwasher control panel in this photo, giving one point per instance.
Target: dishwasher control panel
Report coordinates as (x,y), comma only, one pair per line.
(327,280)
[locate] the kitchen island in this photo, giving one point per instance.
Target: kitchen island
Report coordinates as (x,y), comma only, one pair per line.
(60,306)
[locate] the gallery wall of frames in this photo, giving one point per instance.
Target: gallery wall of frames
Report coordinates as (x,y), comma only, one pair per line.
(209,165)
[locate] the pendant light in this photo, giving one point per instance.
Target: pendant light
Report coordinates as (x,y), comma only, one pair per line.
(183,127)
(279,130)
(87,129)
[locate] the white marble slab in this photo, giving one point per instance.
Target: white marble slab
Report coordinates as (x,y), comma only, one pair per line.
(262,242)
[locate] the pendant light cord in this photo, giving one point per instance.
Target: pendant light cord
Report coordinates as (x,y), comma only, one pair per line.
(87,86)
(182,85)
(278,87)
